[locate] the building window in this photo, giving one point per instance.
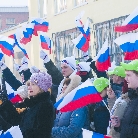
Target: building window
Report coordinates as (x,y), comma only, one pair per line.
(79,2)
(60,5)
(10,21)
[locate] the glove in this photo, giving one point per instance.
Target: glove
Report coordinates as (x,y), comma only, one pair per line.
(34,69)
(17,67)
(23,91)
(44,56)
(85,55)
(2,65)
(24,63)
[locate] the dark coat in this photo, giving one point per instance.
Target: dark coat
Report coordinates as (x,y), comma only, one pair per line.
(10,79)
(129,123)
(37,122)
(9,115)
(98,73)
(57,77)
(100,115)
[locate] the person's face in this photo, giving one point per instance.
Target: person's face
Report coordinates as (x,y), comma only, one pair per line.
(33,89)
(132,79)
(104,92)
(64,88)
(115,78)
(66,70)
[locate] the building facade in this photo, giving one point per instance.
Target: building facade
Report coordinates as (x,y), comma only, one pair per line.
(11,16)
(103,16)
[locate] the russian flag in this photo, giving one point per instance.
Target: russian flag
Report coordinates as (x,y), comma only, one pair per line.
(12,95)
(87,30)
(130,23)
(28,30)
(6,45)
(1,55)
(81,96)
(46,43)
(129,44)
(91,134)
(79,22)
(103,59)
(13,132)
(40,25)
(18,43)
(81,43)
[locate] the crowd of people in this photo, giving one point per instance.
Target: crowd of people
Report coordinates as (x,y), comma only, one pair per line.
(33,107)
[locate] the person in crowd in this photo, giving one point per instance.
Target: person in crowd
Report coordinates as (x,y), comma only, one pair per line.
(68,68)
(117,84)
(37,119)
(128,125)
(99,112)
(70,124)
(83,70)
(118,108)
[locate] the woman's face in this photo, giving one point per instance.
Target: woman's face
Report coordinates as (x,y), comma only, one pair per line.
(33,89)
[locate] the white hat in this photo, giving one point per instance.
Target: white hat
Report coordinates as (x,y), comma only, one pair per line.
(70,61)
(84,66)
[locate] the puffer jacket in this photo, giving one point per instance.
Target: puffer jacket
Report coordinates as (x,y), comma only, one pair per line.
(118,110)
(70,124)
(129,122)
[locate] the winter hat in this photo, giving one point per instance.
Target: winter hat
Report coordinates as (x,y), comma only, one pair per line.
(100,84)
(118,71)
(84,66)
(133,65)
(42,79)
(70,61)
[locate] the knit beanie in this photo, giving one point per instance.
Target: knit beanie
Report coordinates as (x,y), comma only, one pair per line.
(84,66)
(70,61)
(42,79)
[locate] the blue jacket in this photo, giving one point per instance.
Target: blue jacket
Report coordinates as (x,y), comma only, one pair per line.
(70,124)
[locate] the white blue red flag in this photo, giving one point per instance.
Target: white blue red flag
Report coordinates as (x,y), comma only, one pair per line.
(130,23)
(91,134)
(103,59)
(81,96)
(129,44)
(6,45)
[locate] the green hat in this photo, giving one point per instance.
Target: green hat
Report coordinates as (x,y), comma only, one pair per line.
(100,84)
(133,65)
(118,71)
(77,62)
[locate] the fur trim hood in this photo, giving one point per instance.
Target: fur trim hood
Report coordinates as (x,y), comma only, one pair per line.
(75,82)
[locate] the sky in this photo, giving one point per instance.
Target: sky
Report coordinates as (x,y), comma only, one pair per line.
(13,3)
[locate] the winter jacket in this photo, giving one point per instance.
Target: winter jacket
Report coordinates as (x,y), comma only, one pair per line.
(118,110)
(70,124)
(10,79)
(129,122)
(9,115)
(26,75)
(57,77)
(99,114)
(37,121)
